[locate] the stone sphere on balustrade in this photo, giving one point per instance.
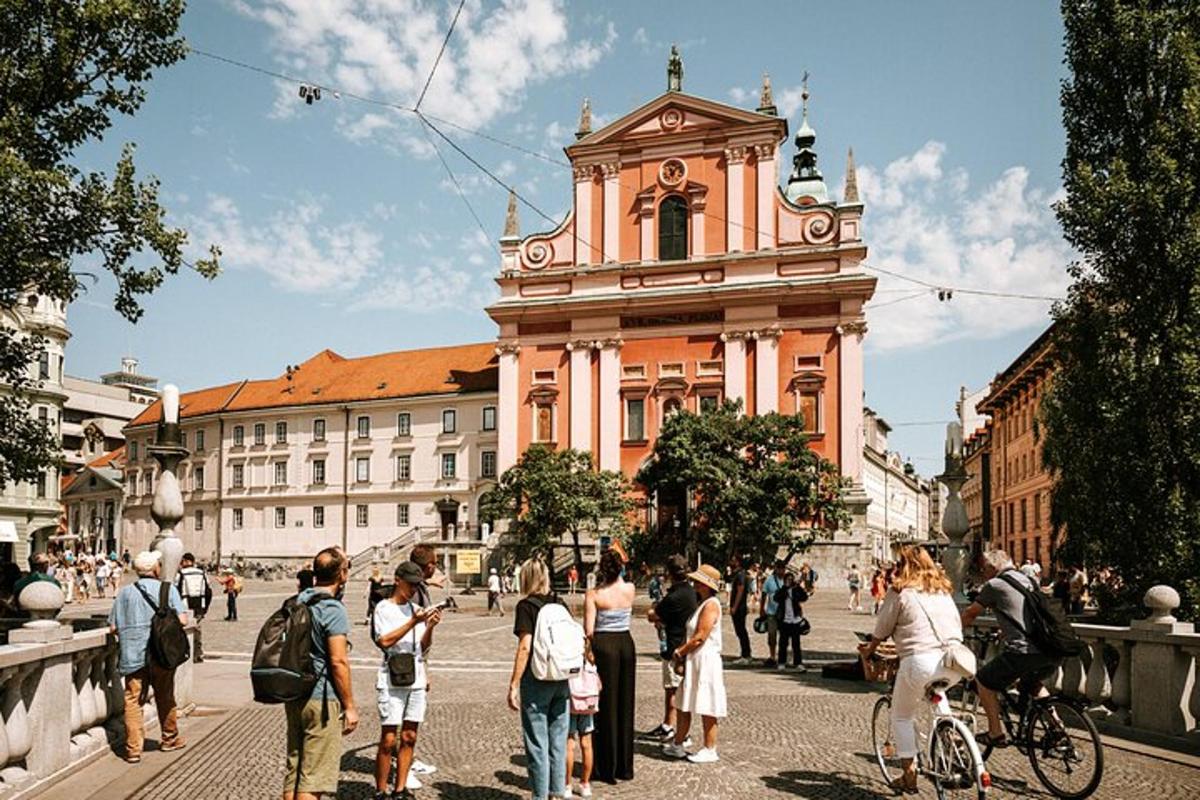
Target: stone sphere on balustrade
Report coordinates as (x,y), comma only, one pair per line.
(42,600)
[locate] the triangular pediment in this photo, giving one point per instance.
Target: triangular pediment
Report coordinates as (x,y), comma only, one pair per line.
(675,113)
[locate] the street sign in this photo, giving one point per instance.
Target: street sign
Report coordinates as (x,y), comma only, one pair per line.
(468,562)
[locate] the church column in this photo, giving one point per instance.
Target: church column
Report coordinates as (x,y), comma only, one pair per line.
(735,365)
(698,200)
(612,210)
(581,394)
(735,198)
(766,371)
(767,180)
(510,406)
(610,405)
(850,380)
(583,214)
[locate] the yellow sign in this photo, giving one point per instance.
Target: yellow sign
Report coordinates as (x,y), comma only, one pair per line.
(468,562)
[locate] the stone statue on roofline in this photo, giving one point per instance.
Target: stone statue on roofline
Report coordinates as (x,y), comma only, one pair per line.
(675,71)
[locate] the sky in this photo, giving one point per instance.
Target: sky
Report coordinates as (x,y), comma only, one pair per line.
(340,227)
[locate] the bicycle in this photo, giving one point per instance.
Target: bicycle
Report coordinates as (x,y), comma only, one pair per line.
(954,764)
(1054,732)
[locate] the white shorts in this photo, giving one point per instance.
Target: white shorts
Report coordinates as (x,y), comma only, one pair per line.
(397,706)
(670,679)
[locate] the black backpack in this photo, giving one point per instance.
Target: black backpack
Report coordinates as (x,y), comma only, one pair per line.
(168,646)
(282,668)
(1049,630)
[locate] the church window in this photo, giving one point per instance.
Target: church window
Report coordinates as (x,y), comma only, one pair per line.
(672,229)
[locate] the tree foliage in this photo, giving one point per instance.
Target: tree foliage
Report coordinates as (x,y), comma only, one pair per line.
(67,67)
(757,485)
(1121,420)
(549,494)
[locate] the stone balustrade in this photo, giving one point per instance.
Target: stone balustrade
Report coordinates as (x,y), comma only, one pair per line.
(1138,681)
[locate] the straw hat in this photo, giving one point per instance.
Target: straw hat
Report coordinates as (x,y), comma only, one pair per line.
(708,575)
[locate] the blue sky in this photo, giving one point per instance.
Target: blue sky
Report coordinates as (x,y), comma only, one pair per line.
(340,228)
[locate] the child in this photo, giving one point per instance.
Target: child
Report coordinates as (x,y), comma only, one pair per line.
(583,725)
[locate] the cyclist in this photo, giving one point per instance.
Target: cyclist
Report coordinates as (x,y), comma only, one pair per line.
(1020,659)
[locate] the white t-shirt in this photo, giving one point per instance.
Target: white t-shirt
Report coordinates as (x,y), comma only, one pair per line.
(494,583)
(789,611)
(102,570)
(388,617)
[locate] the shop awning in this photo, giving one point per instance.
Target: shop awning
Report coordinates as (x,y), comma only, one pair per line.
(8,532)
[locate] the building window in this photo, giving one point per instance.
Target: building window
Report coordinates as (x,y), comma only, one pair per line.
(487,464)
(404,424)
(808,405)
(149,482)
(239,436)
(318,516)
(198,520)
(709,403)
(280,433)
(280,473)
(260,433)
(489,418)
(280,516)
(133,453)
(633,372)
(361,515)
(670,406)
(449,420)
(364,427)
(1012,518)
(404,468)
(41,485)
(198,478)
(318,430)
(318,471)
(635,419)
(449,465)
(672,229)
(238,518)
(543,376)
(543,422)
(402,514)
(200,440)
(362,470)
(1024,519)
(183,438)
(43,365)
(807,362)
(1037,510)
(673,369)
(239,476)
(999,521)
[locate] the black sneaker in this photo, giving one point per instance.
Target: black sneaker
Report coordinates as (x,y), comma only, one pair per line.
(661,732)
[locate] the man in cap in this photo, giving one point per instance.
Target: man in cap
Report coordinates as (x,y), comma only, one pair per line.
(494,588)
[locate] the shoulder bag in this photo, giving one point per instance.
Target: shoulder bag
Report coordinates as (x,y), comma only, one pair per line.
(402,667)
(957,656)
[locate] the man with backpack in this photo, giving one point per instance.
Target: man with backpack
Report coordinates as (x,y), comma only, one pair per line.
(1036,637)
(148,617)
(197,594)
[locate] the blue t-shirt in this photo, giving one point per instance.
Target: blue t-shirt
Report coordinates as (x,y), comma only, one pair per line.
(329,619)
(770,586)
(131,615)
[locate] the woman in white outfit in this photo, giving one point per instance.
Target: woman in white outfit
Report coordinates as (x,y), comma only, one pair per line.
(703,689)
(919,614)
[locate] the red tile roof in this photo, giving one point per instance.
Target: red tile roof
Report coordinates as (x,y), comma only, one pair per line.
(115,459)
(330,378)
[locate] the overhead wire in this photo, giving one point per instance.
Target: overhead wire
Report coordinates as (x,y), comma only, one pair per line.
(441,52)
(462,194)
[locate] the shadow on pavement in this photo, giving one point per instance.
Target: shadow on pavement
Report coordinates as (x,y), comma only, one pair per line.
(457,791)
(812,784)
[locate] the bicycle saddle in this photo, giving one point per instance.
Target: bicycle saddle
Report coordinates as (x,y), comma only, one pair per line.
(936,688)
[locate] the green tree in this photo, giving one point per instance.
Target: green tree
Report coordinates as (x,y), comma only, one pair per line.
(549,494)
(757,485)
(66,68)
(1121,420)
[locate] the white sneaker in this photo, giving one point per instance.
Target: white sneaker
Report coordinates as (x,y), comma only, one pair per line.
(686,743)
(672,750)
(421,768)
(704,756)
(413,781)
(585,790)
(781,667)
(567,793)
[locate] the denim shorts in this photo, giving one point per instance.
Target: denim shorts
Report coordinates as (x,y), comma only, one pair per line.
(583,724)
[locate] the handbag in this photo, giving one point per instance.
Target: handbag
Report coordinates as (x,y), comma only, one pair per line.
(957,657)
(585,690)
(402,667)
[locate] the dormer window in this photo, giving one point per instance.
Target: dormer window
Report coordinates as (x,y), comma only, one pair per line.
(672,229)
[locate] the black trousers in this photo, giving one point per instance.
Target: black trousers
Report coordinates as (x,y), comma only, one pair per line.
(612,742)
(231,606)
(789,638)
(739,627)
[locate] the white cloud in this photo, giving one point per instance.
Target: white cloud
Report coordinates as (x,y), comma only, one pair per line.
(787,99)
(921,222)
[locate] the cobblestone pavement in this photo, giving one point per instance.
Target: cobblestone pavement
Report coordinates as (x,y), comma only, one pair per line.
(788,735)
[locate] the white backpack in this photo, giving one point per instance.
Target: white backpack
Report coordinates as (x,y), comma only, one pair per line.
(557,644)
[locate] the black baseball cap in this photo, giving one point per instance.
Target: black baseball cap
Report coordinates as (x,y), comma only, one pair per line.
(409,572)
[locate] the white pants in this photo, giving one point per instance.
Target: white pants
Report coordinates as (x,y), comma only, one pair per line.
(914,673)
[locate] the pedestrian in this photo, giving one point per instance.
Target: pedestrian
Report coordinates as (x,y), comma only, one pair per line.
(10,574)
(69,577)
(702,691)
(233,587)
(103,570)
(607,612)
(425,557)
(130,617)
(545,716)
(920,616)
(404,631)
(304,579)
(789,613)
(671,615)
(771,587)
(854,584)
(494,593)
(655,588)
(878,590)
(375,591)
(581,727)
(572,579)
(316,724)
(754,578)
(39,570)
(1079,589)
(197,595)
(1061,590)
(739,607)
(809,578)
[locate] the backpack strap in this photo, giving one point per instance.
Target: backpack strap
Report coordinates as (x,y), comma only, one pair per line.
(164,595)
(146,595)
(1024,591)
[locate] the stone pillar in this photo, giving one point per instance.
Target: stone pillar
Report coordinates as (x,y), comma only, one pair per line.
(767,180)
(167,506)
(49,716)
(610,405)
(581,395)
(509,406)
(735,366)
(612,211)
(1162,673)
(583,214)
(766,371)
(735,198)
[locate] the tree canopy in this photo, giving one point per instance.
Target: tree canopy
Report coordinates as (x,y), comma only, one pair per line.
(67,67)
(757,485)
(1121,420)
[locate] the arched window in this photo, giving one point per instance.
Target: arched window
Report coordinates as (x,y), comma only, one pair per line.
(672,229)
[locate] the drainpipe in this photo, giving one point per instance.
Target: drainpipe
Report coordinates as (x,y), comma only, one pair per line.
(346,481)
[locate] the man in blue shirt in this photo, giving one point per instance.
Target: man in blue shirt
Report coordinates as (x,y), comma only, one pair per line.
(314,734)
(130,619)
(771,586)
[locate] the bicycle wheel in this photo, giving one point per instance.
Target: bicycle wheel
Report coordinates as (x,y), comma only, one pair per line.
(971,712)
(1065,749)
(952,764)
(883,740)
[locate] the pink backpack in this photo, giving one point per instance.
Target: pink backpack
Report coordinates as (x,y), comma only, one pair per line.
(585,690)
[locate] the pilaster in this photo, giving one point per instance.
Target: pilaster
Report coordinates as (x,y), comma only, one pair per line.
(583,214)
(766,371)
(766,183)
(735,365)
(509,406)
(850,374)
(735,198)
(581,394)
(612,210)
(610,404)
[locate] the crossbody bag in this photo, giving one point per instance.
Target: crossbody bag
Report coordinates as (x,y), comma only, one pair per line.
(956,657)
(402,667)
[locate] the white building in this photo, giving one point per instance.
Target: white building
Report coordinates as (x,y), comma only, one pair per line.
(336,451)
(96,412)
(899,510)
(94,499)
(29,512)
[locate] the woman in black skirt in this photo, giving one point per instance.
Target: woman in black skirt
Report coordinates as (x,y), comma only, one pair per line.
(607,611)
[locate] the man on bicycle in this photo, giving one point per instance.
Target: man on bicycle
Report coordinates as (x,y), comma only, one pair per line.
(1021,659)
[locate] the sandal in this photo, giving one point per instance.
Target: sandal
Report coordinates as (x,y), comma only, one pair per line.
(902,785)
(986,739)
